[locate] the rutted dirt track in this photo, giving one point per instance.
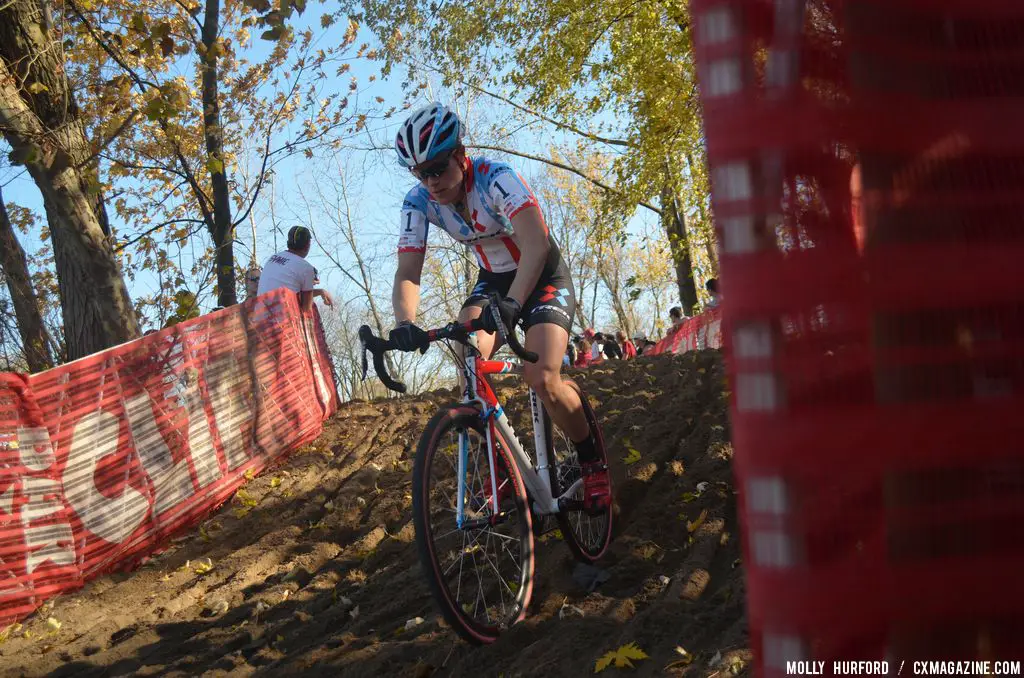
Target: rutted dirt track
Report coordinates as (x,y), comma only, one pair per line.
(312,570)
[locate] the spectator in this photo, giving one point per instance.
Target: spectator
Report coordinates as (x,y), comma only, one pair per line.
(610,347)
(290,269)
(594,341)
(627,346)
(583,352)
(712,287)
(676,315)
(642,343)
(569,359)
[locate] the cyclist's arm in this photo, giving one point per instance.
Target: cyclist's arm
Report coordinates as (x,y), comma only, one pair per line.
(534,246)
(405,295)
(412,250)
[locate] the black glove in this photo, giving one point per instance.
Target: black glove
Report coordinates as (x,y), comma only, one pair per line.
(408,337)
(508,309)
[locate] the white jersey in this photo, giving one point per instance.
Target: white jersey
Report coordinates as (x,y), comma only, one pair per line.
(286,269)
(494,194)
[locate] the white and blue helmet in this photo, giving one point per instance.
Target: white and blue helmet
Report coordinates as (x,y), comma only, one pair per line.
(428,133)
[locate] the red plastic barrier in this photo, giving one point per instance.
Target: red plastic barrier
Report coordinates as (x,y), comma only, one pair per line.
(696,333)
(867,163)
(103,459)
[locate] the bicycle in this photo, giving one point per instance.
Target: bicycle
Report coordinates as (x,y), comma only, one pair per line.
(482,501)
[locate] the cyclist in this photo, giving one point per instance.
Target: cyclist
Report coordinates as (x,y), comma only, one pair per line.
(485,205)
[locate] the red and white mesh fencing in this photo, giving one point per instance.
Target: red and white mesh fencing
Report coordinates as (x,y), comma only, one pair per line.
(694,334)
(867,164)
(104,458)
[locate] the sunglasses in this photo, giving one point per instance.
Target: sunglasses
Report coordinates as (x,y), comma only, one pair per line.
(432,171)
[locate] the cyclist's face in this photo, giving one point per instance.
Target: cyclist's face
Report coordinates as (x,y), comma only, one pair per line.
(444,186)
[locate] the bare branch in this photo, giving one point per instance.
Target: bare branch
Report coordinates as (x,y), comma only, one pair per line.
(154,168)
(568,168)
(563,125)
(120,246)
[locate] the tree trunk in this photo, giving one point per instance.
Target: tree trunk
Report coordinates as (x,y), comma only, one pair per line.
(222,232)
(40,120)
(674,224)
(26,306)
(580,311)
(710,248)
(610,279)
(593,300)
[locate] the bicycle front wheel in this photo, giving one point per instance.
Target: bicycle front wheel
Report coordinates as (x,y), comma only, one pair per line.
(480,573)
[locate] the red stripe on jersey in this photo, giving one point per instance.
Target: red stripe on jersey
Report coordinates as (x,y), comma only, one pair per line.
(418,250)
(483,257)
(522,207)
(468,174)
(510,245)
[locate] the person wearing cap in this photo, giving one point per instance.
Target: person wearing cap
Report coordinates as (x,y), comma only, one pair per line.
(290,269)
(642,343)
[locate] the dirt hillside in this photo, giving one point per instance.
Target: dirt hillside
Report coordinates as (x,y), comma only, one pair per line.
(311,570)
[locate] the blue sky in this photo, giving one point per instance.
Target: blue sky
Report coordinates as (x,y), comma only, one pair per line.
(377,198)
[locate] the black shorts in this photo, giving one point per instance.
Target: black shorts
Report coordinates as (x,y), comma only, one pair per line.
(552,301)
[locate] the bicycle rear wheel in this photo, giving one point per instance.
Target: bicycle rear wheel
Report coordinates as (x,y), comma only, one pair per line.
(586,534)
(481,574)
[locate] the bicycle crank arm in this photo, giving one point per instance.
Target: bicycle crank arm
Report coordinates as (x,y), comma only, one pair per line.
(573,489)
(489,521)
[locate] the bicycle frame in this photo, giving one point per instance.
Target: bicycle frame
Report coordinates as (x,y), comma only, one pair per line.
(536,478)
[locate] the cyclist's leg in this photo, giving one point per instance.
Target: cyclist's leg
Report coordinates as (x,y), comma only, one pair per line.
(485,341)
(549,341)
(547,316)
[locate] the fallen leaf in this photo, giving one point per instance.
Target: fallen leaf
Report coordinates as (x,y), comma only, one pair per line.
(692,526)
(620,658)
(203,566)
(246,499)
(275,482)
(6,633)
(249,474)
(686,660)
(53,624)
(632,457)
